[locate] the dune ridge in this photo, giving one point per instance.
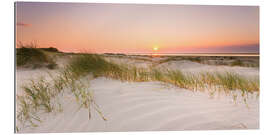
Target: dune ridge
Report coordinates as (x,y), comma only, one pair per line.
(149,106)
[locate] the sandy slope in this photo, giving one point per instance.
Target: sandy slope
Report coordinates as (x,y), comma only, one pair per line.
(194,67)
(187,66)
(150,106)
(130,61)
(24,76)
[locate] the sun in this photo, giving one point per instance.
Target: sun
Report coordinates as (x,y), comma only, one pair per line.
(155,48)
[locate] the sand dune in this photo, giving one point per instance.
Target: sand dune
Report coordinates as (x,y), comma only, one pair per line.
(187,66)
(194,67)
(150,106)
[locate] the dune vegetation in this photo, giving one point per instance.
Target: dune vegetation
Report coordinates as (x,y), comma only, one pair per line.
(30,55)
(98,66)
(38,95)
(252,61)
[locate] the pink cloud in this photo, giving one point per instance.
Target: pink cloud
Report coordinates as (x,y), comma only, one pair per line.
(23,24)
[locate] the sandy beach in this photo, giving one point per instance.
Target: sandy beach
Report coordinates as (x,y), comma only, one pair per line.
(147,106)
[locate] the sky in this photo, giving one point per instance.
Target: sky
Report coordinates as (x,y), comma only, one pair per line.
(138,28)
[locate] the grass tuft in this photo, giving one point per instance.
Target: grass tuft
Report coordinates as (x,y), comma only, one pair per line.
(29,55)
(38,95)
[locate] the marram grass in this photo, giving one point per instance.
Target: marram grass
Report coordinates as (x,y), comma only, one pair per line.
(98,66)
(38,94)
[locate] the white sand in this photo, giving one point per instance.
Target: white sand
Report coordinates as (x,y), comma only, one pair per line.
(194,67)
(131,62)
(188,66)
(149,106)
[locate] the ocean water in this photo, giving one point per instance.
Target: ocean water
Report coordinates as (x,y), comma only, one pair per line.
(197,54)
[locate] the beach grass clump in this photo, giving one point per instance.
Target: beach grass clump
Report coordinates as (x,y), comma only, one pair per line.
(237,63)
(193,59)
(50,49)
(241,63)
(229,81)
(72,80)
(98,66)
(37,96)
(26,55)
(78,69)
(178,78)
(139,74)
(29,55)
(226,81)
(182,80)
(85,98)
(157,75)
(25,114)
(254,85)
(91,63)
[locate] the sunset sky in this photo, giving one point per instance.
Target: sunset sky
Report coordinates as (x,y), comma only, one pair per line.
(139,28)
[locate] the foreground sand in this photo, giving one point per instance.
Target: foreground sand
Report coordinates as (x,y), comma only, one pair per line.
(149,106)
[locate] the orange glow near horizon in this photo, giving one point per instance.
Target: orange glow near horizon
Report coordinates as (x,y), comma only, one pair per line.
(155,48)
(134,28)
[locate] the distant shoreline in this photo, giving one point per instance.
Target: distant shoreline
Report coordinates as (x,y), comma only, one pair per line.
(52,49)
(188,54)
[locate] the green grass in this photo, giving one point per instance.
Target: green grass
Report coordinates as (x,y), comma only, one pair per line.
(243,64)
(50,49)
(157,75)
(237,63)
(26,55)
(39,94)
(98,66)
(26,113)
(29,55)
(85,98)
(86,63)
(193,59)
(220,60)
(176,58)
